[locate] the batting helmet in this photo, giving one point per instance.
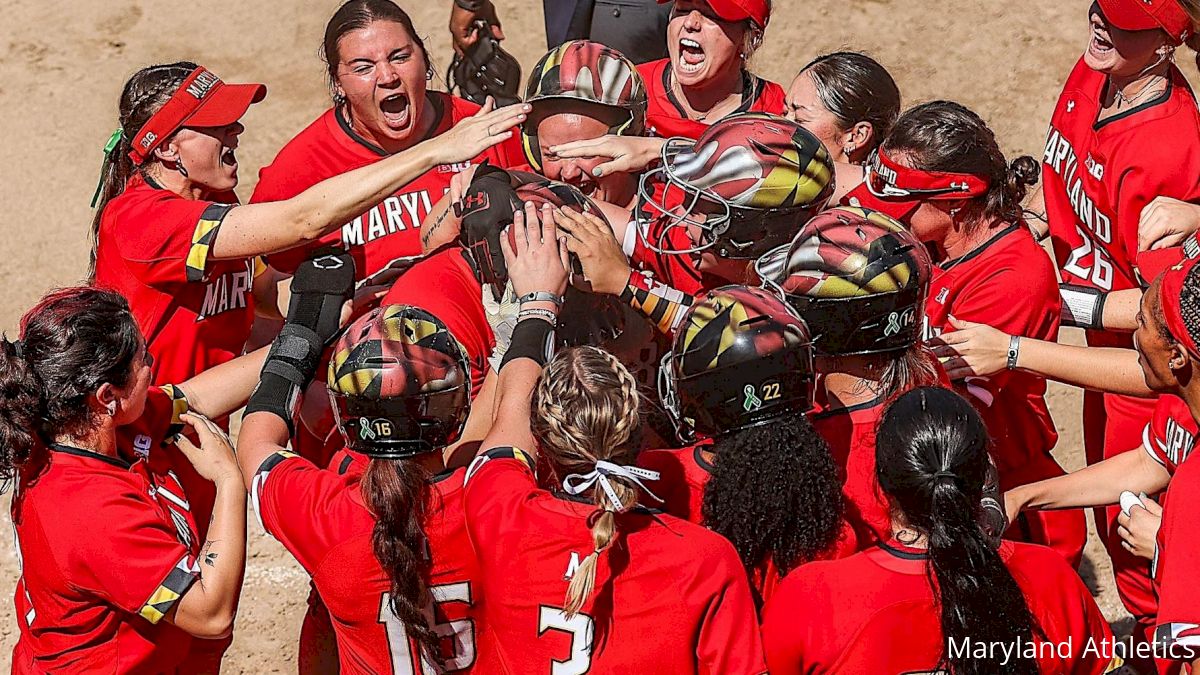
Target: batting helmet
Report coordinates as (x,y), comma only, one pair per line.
(400,383)
(857,277)
(740,358)
(581,70)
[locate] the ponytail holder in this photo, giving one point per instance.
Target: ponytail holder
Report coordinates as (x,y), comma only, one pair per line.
(18,348)
(600,475)
(111,145)
(941,476)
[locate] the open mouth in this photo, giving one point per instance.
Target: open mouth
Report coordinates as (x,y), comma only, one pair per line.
(228,158)
(1100,43)
(691,55)
(395,110)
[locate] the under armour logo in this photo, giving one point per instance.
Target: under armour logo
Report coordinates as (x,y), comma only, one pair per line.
(752,402)
(1070,106)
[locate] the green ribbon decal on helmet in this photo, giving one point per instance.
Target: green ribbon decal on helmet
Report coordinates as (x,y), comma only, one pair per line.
(364,429)
(752,402)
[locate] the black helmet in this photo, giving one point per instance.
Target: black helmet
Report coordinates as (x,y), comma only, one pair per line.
(740,358)
(857,277)
(400,383)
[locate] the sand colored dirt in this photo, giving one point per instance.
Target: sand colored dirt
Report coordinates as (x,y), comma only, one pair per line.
(62,65)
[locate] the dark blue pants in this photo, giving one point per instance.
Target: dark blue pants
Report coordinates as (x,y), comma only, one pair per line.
(636,28)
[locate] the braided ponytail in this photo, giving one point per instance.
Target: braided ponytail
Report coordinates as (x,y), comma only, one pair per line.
(144,94)
(585,411)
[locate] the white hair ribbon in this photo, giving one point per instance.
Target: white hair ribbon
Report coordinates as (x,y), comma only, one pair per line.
(600,475)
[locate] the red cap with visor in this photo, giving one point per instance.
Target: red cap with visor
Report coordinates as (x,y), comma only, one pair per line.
(758,11)
(1171,291)
(203,100)
(897,190)
(1134,15)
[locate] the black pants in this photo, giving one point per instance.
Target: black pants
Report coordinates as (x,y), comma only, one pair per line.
(636,28)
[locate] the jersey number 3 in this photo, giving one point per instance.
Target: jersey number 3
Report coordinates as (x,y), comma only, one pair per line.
(580,627)
(460,632)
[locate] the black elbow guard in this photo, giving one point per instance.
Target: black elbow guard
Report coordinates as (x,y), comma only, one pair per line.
(1082,306)
(320,287)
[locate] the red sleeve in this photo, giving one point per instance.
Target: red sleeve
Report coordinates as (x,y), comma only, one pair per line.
(496,484)
(1146,179)
(294,501)
(784,636)
(171,245)
(139,565)
(729,641)
(1175,564)
(1065,610)
(1154,438)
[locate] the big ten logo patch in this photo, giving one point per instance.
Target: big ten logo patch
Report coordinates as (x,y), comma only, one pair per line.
(397,213)
(227,292)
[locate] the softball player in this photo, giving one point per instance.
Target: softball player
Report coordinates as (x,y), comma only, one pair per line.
(705,77)
(110,544)
(848,101)
(859,279)
(1104,161)
(574,573)
(937,579)
(189,278)
(737,385)
(378,69)
(942,173)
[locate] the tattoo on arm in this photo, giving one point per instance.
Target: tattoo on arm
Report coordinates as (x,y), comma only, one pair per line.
(207,555)
(434,227)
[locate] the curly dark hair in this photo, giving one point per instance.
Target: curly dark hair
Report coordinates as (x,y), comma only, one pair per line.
(775,493)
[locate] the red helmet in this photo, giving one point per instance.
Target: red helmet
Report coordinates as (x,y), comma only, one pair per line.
(400,383)
(756,178)
(589,72)
(741,358)
(857,277)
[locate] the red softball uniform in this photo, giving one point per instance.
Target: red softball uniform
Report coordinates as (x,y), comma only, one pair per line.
(847,616)
(1097,176)
(1169,438)
(666,118)
(320,518)
(850,433)
(684,473)
(980,287)
(670,596)
(444,285)
(107,546)
(153,248)
(391,229)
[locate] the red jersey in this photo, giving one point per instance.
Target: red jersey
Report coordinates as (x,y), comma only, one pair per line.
(333,544)
(93,600)
(666,117)
(1171,433)
(1099,175)
(153,248)
(663,577)
(844,616)
(980,287)
(391,229)
(850,433)
(445,286)
(1177,625)
(683,475)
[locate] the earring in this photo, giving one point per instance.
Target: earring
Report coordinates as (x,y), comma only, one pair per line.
(954,212)
(111,408)
(848,150)
(179,165)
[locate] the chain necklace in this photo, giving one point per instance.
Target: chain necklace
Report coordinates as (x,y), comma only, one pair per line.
(1122,100)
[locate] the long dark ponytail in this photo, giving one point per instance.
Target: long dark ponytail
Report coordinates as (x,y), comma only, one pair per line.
(397,493)
(72,341)
(144,94)
(775,493)
(932,462)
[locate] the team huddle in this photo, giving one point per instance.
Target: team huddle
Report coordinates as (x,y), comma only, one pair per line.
(663,369)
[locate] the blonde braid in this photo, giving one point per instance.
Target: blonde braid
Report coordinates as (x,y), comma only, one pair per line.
(586,409)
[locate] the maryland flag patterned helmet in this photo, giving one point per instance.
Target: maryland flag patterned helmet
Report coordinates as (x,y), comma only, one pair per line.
(755,178)
(857,277)
(740,358)
(589,72)
(400,383)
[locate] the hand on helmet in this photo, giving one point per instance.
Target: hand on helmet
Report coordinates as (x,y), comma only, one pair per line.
(471,136)
(627,154)
(605,268)
(537,261)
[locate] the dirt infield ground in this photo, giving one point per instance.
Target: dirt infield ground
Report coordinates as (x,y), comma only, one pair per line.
(62,65)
